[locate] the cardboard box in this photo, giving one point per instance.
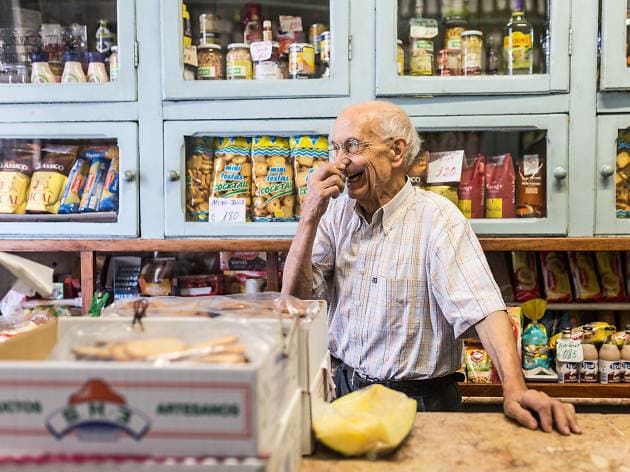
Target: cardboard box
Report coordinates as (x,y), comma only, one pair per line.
(312,347)
(320,390)
(139,408)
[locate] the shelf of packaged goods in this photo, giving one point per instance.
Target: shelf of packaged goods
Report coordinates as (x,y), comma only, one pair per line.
(553,389)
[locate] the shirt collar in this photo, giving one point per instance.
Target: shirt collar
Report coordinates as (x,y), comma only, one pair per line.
(387,213)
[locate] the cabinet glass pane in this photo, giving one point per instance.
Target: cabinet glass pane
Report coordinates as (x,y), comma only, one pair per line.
(488,174)
(58,41)
(228,40)
(235,179)
(59,180)
(473,37)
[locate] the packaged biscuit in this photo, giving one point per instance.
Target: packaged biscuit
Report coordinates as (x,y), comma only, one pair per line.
(109,197)
(16,169)
(610,275)
(49,178)
(94,184)
(584,277)
(71,197)
(526,285)
(199,175)
(233,170)
(107,151)
(555,270)
(272,179)
(307,152)
(478,365)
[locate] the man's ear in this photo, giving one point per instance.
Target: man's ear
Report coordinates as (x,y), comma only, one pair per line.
(399,146)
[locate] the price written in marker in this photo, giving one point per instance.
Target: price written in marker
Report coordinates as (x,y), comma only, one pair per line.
(569,350)
(445,167)
(227,210)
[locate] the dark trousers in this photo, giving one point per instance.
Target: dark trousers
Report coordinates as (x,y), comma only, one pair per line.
(440,394)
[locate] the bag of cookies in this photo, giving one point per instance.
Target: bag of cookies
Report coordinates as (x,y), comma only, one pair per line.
(16,169)
(584,277)
(50,177)
(233,170)
(526,284)
(272,179)
(199,175)
(610,275)
(555,270)
(307,152)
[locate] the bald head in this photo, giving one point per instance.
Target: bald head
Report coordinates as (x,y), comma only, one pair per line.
(384,120)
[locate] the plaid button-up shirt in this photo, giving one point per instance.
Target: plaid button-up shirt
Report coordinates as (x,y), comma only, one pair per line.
(403,288)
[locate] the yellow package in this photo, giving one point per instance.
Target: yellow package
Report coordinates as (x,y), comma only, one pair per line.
(233,170)
(308,152)
(14,183)
(373,420)
(49,179)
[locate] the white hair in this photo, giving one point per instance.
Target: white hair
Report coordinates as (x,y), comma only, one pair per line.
(395,123)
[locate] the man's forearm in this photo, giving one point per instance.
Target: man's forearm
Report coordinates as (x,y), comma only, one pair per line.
(495,332)
(297,279)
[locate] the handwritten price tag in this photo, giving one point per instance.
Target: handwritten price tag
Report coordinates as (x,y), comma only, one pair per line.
(569,350)
(227,210)
(260,50)
(290,23)
(445,166)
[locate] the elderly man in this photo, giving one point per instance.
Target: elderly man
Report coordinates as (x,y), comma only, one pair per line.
(403,273)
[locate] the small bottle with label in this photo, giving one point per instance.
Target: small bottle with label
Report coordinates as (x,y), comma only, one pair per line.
(588,366)
(625,357)
(72,69)
(609,361)
(41,72)
(567,371)
(96,69)
(114,65)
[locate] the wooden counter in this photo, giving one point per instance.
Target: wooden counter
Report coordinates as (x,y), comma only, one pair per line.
(490,442)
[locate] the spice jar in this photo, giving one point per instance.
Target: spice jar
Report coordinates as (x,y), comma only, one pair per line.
(472,45)
(449,62)
(238,62)
(400,58)
(210,62)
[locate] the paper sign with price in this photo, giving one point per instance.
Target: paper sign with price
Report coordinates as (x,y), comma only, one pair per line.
(569,350)
(290,23)
(227,210)
(445,167)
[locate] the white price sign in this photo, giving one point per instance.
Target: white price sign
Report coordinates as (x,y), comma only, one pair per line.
(227,210)
(569,350)
(260,50)
(445,167)
(290,23)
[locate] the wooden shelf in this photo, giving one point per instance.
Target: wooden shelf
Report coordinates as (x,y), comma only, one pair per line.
(553,389)
(602,243)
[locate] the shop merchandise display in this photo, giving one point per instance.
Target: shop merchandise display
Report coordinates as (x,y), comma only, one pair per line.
(474,37)
(257,44)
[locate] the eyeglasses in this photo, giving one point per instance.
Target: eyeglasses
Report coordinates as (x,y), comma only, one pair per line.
(350,146)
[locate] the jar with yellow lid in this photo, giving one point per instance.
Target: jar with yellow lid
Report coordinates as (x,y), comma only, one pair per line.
(210,62)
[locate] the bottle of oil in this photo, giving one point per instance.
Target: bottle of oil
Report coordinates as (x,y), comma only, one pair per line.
(518,39)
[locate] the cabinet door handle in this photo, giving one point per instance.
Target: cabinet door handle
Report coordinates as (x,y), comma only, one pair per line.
(129,176)
(606,171)
(560,173)
(173,175)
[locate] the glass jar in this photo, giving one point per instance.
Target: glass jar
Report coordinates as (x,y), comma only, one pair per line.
(453,33)
(252,23)
(472,45)
(209,62)
(238,62)
(269,68)
(449,62)
(400,58)
(114,66)
(209,30)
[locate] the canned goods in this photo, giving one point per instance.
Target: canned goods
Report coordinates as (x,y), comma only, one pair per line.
(324,47)
(238,62)
(472,45)
(449,62)
(301,61)
(314,34)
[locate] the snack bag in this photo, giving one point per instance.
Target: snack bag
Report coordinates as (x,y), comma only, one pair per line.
(535,339)
(307,152)
(556,277)
(610,275)
(417,171)
(109,197)
(233,170)
(49,179)
(472,188)
(478,365)
(526,285)
(94,184)
(199,175)
(16,170)
(272,178)
(584,277)
(500,187)
(71,197)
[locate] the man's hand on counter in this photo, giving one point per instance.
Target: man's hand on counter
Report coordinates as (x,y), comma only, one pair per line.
(532,408)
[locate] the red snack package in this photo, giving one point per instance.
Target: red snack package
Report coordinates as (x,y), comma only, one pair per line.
(500,186)
(526,284)
(472,188)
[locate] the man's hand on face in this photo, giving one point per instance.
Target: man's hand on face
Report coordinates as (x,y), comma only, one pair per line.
(533,408)
(325,182)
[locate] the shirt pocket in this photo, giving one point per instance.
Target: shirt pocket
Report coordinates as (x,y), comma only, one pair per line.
(401,302)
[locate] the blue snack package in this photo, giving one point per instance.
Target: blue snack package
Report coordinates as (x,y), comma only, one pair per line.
(71,197)
(109,198)
(94,185)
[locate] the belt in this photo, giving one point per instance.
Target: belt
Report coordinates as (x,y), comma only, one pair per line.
(421,387)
